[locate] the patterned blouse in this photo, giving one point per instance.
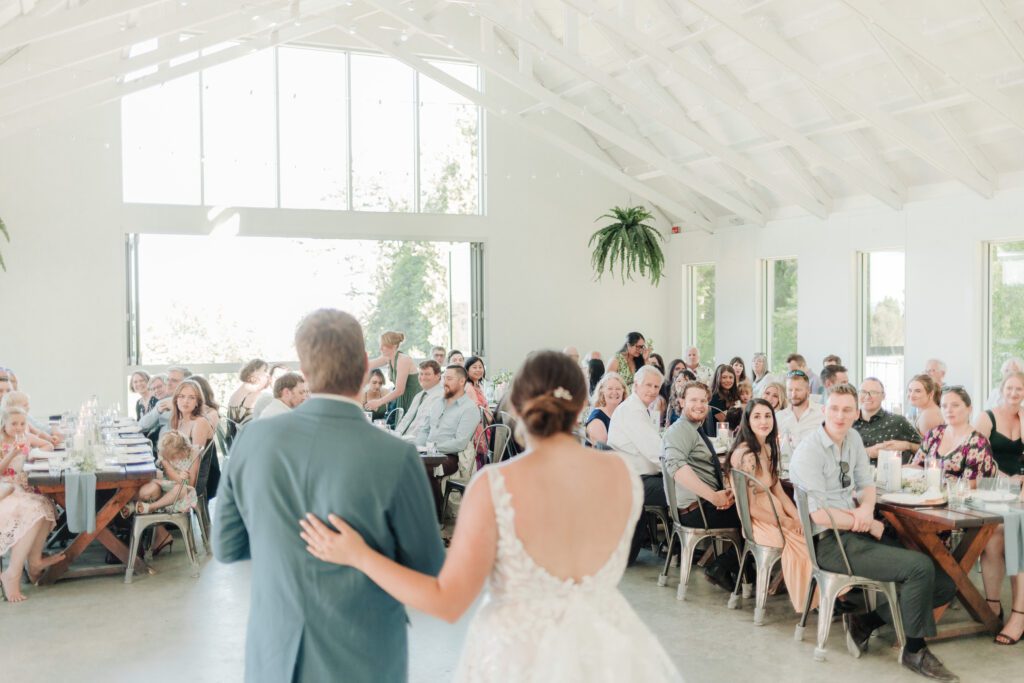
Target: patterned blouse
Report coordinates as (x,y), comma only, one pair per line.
(971,458)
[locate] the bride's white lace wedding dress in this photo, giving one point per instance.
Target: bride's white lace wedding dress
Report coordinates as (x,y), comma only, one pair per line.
(533,626)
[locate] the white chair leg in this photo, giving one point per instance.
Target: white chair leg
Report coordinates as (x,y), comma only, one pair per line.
(825,608)
(761,592)
(897,618)
(685,564)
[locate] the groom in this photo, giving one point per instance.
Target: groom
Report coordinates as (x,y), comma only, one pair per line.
(309,620)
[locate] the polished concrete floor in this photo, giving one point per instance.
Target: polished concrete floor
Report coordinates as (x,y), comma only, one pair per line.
(172,627)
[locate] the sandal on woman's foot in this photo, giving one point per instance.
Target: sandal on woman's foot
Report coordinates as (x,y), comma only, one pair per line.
(998,602)
(1006,638)
(127,511)
(168,544)
(142,508)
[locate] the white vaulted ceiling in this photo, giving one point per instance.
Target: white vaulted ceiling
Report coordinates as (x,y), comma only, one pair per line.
(716,111)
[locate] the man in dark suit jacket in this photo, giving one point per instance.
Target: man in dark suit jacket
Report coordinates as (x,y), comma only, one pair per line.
(310,620)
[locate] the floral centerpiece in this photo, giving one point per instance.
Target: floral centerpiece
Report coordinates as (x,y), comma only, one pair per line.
(501,380)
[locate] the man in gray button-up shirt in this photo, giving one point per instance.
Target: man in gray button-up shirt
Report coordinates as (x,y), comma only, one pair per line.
(453,419)
(693,464)
(831,464)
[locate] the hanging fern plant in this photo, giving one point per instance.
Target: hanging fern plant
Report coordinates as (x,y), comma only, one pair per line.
(3,230)
(630,243)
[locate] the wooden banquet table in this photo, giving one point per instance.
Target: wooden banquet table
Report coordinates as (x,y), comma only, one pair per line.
(919,529)
(125,481)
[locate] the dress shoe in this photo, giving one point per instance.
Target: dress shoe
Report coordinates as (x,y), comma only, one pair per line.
(928,665)
(721,577)
(857,634)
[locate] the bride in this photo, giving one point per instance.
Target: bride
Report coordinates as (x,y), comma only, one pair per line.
(551,530)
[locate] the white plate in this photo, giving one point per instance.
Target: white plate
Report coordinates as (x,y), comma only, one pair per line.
(989,496)
(909,499)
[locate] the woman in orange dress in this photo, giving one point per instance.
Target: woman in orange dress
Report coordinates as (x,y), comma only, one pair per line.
(756,452)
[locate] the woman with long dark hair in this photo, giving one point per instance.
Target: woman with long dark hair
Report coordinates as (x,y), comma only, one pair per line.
(675,368)
(725,394)
(740,368)
(756,453)
(630,358)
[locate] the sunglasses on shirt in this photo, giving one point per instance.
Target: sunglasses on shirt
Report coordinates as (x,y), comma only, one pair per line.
(844,468)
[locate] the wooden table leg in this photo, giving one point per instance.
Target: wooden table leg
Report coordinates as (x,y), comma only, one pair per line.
(103,518)
(926,539)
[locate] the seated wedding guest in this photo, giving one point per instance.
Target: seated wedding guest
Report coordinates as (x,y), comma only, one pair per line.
(834,454)
(402,370)
(1009,366)
(455,357)
(5,385)
(725,394)
(634,434)
(372,392)
(139,384)
(1002,427)
(963,451)
(158,389)
(174,488)
(661,402)
(657,361)
(923,394)
(452,423)
(831,375)
(675,399)
(438,353)
(795,361)
(675,369)
(691,359)
(630,358)
(211,409)
(595,371)
(831,359)
(692,462)
(740,368)
(255,377)
(19,399)
(592,355)
(759,372)
(26,517)
(423,402)
(879,429)
(289,392)
(267,395)
(775,394)
(188,417)
(16,432)
(573,354)
(607,396)
(475,389)
(756,453)
(746,391)
(801,417)
(936,369)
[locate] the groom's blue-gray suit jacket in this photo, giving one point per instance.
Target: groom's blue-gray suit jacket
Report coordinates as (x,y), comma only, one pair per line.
(310,620)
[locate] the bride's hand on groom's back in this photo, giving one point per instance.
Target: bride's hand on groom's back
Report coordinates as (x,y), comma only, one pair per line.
(344,546)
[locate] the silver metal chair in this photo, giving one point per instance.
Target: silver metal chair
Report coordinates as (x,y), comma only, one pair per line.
(765,557)
(394,417)
(182,520)
(501,434)
(831,584)
(689,537)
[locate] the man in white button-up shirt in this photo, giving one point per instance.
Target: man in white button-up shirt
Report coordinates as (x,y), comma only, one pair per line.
(419,409)
(802,417)
(635,434)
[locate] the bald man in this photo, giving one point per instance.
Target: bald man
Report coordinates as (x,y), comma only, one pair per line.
(572,353)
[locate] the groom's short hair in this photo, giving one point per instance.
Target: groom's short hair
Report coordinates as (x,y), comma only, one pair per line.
(331,351)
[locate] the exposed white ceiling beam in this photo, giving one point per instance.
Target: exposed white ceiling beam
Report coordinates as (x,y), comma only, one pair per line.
(388,45)
(729,91)
(949,65)
(1006,25)
(633,98)
(918,82)
(68,82)
(781,52)
(45,57)
(37,27)
(112,91)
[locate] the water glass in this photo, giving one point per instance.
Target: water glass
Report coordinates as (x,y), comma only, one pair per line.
(963,487)
(54,464)
(1003,483)
(431,448)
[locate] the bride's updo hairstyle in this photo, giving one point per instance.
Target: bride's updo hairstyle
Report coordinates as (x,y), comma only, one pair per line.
(548,393)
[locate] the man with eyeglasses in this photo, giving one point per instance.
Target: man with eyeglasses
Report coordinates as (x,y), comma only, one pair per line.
(802,417)
(881,430)
(832,466)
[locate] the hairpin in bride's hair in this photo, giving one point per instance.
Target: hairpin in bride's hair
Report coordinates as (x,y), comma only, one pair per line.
(562,393)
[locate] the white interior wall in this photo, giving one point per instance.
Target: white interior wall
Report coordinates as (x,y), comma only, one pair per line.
(63,297)
(942,238)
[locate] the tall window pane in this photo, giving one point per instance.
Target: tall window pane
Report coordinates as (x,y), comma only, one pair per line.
(314,128)
(449,153)
(884,321)
(780,290)
(160,143)
(701,279)
(383,125)
(239,132)
(1006,306)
